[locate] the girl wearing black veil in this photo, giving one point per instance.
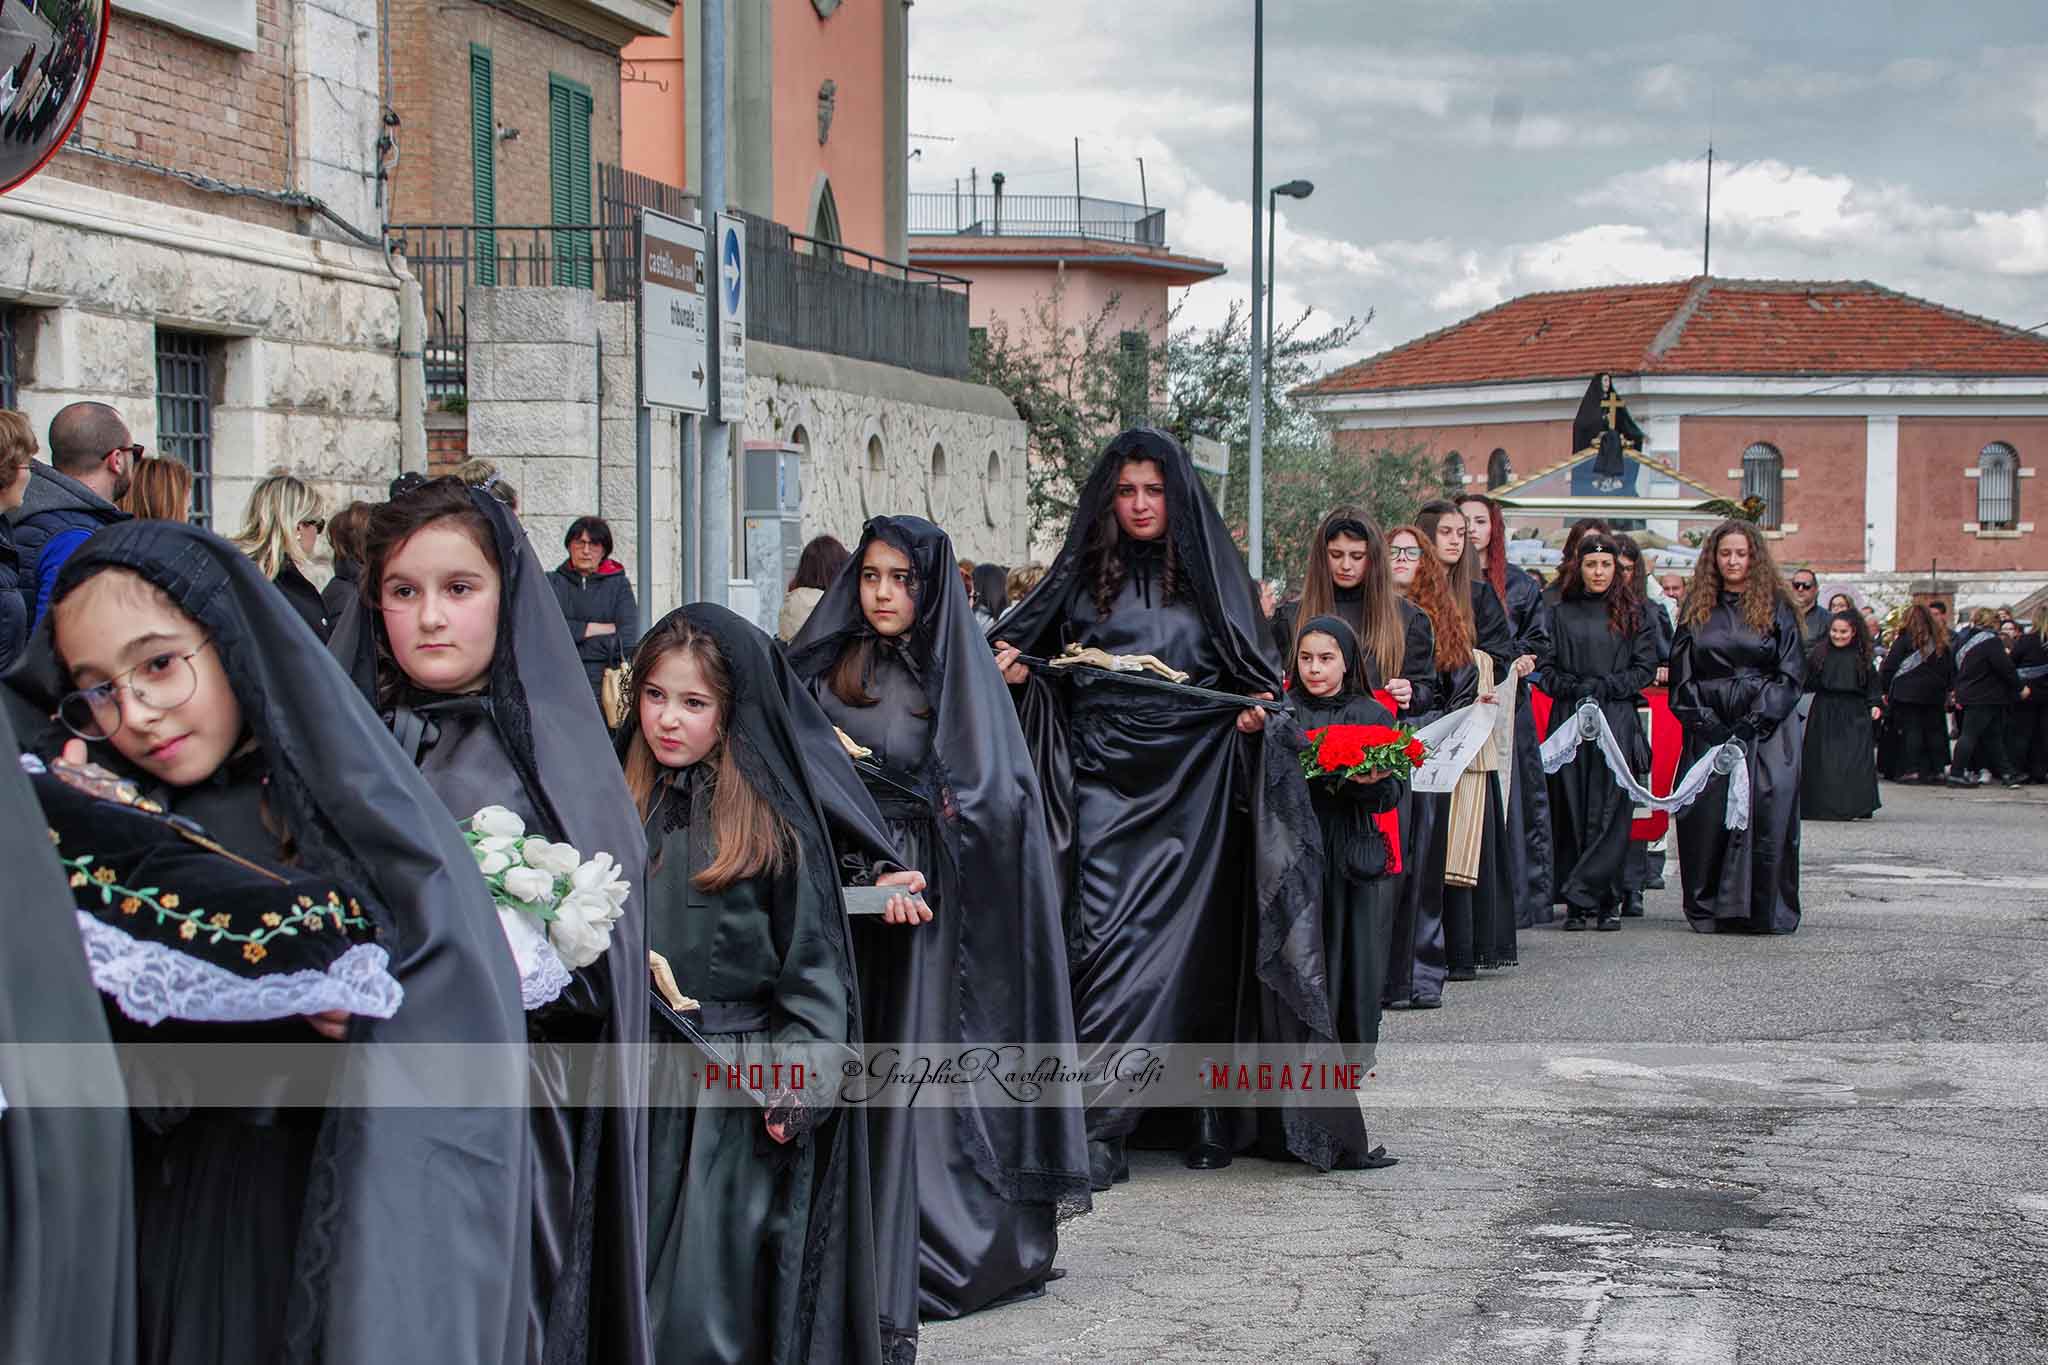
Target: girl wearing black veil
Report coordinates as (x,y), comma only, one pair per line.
(281,1233)
(459,642)
(67,1207)
(762,1240)
(1603,649)
(1349,577)
(1186,922)
(1840,762)
(1737,670)
(896,659)
(1479,912)
(1323,688)
(1527,852)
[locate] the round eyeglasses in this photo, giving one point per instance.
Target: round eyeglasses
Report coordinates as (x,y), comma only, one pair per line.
(1403,552)
(162,682)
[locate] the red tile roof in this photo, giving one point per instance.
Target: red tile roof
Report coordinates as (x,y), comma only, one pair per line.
(1700,326)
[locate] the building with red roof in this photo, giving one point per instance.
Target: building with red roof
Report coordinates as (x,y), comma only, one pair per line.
(1886,434)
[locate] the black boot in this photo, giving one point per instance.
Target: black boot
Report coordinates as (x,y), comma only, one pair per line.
(1632,908)
(1210,1151)
(1107,1164)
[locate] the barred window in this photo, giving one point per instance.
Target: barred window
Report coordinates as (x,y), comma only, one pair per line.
(1998,487)
(186,366)
(1454,472)
(10,395)
(1499,471)
(1763,476)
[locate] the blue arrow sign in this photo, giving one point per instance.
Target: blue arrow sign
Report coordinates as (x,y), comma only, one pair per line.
(729,262)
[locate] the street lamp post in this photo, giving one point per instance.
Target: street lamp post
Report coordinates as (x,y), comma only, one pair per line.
(1293,189)
(1257,502)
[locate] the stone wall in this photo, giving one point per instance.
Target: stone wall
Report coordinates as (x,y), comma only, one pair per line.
(303,333)
(879,439)
(565,439)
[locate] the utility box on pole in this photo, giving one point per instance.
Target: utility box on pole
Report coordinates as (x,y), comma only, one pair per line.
(771,519)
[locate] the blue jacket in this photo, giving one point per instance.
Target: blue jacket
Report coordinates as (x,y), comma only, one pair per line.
(54,519)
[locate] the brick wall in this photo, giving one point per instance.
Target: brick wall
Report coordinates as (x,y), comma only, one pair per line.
(430,82)
(1936,496)
(181,101)
(1823,488)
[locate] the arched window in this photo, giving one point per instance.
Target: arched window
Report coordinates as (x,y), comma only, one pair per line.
(992,490)
(1763,476)
(935,489)
(873,483)
(1498,471)
(1998,487)
(825,222)
(1454,472)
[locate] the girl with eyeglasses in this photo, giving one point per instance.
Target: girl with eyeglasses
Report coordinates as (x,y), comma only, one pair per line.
(275,874)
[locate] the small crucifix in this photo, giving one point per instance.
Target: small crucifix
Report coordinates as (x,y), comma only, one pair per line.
(1612,402)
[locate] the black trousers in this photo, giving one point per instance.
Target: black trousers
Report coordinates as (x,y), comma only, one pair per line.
(1982,744)
(2032,718)
(1922,738)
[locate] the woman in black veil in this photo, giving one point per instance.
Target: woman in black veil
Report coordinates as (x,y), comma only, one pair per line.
(1186,922)
(67,1209)
(763,1243)
(394,1197)
(495,709)
(895,657)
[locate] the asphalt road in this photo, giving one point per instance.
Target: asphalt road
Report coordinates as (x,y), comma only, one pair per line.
(1648,1146)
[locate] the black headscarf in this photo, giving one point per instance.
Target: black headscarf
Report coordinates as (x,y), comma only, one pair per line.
(773,729)
(539,699)
(1351,704)
(1209,569)
(991,588)
(67,1214)
(1011,984)
(398,1197)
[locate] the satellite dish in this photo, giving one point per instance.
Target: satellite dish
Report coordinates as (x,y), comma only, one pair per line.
(50,53)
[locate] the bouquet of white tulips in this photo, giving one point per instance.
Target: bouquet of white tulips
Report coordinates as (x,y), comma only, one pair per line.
(556,909)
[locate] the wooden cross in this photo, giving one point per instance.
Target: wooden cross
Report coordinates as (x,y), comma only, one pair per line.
(1612,402)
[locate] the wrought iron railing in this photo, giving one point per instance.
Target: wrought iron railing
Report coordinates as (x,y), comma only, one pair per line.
(986,214)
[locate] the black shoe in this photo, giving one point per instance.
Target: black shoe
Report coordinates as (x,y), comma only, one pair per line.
(1956,780)
(1462,974)
(1374,1160)
(1632,908)
(1405,1003)
(2015,781)
(1426,1002)
(1574,923)
(1609,922)
(1107,1164)
(1209,1151)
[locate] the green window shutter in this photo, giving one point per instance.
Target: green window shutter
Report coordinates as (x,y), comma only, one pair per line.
(483,153)
(569,174)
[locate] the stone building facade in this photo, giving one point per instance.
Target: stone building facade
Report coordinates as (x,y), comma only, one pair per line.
(243,324)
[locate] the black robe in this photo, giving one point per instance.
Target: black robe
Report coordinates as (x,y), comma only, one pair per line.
(1186,921)
(395,1196)
(67,1229)
(1358,892)
(1728,680)
(1839,768)
(1415,959)
(758,1251)
(1916,685)
(967,1197)
(1529,859)
(534,742)
(1589,812)
(1480,920)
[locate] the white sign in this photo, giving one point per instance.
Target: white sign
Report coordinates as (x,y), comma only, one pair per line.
(675,314)
(732,317)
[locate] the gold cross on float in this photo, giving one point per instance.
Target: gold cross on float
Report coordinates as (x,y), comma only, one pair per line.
(1612,402)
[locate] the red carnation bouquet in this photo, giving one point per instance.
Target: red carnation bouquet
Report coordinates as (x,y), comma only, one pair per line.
(1339,752)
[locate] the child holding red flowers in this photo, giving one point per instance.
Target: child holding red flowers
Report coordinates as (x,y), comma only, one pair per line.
(1325,688)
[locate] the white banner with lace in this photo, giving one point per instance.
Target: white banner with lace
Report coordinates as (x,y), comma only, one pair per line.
(1589,725)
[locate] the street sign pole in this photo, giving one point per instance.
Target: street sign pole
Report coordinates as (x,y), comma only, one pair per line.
(673,310)
(716,483)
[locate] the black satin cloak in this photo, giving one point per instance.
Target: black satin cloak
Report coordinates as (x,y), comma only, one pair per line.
(996,951)
(399,1198)
(1175,902)
(548,732)
(1588,811)
(1838,771)
(1530,858)
(823,1310)
(67,1211)
(1728,680)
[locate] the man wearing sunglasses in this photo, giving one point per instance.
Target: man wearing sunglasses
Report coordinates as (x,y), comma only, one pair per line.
(91,460)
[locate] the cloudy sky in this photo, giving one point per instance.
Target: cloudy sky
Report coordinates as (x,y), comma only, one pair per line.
(1466,151)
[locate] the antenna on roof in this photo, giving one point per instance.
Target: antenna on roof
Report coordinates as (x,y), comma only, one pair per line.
(1707,252)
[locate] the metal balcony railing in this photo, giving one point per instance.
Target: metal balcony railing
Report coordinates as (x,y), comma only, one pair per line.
(987,214)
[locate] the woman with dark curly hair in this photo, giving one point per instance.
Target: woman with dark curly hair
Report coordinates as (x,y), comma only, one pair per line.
(1737,670)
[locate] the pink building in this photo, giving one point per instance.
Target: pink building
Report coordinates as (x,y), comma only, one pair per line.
(1081,254)
(816,114)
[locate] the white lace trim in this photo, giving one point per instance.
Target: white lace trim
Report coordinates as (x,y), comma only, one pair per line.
(152,982)
(542,974)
